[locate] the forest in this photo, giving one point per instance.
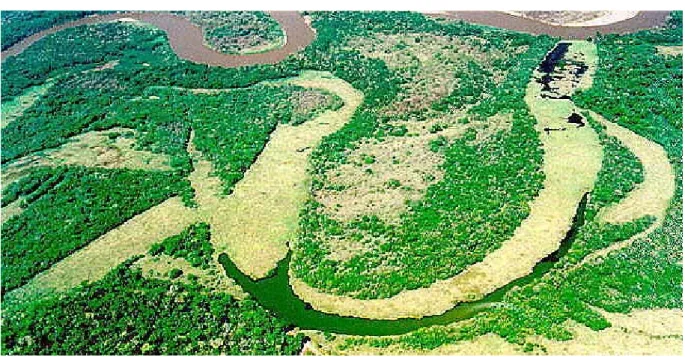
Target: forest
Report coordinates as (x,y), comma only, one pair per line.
(451,210)
(237,31)
(644,275)
(126,313)
(124,75)
(17,25)
(192,245)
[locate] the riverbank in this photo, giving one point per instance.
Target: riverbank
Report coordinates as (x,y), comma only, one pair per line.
(643,20)
(187,39)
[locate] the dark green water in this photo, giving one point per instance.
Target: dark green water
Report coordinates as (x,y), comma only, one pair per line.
(276,294)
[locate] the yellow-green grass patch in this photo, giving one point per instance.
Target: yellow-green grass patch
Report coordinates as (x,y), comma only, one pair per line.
(379,178)
(670,50)
(14,109)
(572,158)
(653,195)
(640,332)
(91,263)
(264,205)
(11,210)
(255,223)
(113,148)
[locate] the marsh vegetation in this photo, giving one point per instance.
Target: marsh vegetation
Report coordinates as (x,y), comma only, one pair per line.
(433,157)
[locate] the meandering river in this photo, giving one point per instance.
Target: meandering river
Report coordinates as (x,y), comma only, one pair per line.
(186,38)
(275,292)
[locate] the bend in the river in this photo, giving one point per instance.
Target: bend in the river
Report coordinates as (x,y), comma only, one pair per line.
(186,38)
(276,292)
(572,159)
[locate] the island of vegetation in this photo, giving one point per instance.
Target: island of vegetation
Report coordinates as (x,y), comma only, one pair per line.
(399,183)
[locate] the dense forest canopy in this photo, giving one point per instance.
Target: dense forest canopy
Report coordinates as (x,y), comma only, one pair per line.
(17,25)
(441,74)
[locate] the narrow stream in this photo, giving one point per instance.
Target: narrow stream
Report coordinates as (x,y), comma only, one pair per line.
(276,294)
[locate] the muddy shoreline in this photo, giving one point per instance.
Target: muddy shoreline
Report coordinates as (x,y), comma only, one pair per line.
(642,21)
(186,38)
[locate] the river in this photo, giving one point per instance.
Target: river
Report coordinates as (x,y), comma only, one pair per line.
(643,20)
(186,38)
(276,294)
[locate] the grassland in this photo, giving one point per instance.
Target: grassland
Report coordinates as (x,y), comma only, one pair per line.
(421,158)
(584,305)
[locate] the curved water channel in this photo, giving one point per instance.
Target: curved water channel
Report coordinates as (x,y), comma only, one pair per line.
(275,292)
(187,41)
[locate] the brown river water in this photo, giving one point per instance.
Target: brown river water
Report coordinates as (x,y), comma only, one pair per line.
(187,41)
(643,20)
(275,292)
